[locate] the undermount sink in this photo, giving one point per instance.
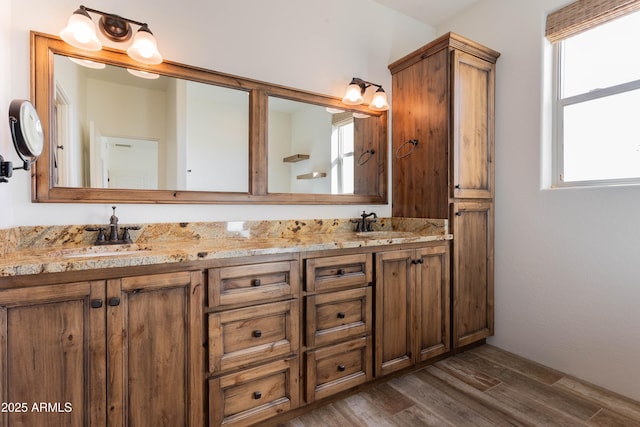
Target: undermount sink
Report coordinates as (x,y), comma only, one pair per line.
(388,234)
(104,251)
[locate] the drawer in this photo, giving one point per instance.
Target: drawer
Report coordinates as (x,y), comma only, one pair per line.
(338,367)
(255,394)
(336,272)
(240,337)
(336,316)
(248,284)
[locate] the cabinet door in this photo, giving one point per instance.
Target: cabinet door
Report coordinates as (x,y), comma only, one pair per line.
(473,129)
(420,173)
(52,353)
(155,353)
(395,308)
(432,296)
(472,272)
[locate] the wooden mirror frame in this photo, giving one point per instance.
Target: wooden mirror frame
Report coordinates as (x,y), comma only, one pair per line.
(43,49)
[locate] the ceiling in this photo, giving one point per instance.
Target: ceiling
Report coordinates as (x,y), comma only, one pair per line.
(431,12)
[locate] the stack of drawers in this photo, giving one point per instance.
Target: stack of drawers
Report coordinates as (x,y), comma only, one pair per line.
(253,330)
(338,324)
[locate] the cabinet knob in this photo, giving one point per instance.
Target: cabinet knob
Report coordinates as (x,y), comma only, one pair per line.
(458,213)
(114,302)
(341,272)
(341,368)
(255,283)
(257,333)
(96,303)
(457,186)
(341,315)
(257,395)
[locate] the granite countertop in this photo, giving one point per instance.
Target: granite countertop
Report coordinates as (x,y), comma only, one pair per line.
(53,249)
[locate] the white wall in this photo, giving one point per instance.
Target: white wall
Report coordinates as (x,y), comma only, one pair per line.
(306,44)
(567,278)
(6,147)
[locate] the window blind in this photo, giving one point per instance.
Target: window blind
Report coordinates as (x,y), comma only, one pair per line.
(585,14)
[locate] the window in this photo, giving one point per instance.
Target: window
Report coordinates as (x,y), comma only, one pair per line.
(342,169)
(597,104)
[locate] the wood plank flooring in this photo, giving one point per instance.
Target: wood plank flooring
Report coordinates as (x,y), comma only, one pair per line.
(484,386)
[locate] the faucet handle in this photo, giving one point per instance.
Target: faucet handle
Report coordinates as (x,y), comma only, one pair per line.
(369,222)
(101,237)
(126,237)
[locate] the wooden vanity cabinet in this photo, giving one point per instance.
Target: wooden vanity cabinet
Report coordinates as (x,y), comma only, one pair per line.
(443,101)
(473,272)
(338,323)
(108,352)
(253,340)
(412,306)
(53,350)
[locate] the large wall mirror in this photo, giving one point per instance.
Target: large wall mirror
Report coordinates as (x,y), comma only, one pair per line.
(119,132)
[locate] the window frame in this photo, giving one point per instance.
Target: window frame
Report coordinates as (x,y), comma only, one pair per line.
(558,104)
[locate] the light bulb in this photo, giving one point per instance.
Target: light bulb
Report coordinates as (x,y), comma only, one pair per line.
(144,47)
(80,32)
(353,96)
(379,101)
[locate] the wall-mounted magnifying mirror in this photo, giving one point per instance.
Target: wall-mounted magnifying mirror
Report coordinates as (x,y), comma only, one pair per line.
(27,135)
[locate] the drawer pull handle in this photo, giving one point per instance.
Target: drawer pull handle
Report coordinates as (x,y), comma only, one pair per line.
(96,303)
(257,395)
(341,315)
(341,272)
(257,333)
(255,283)
(114,302)
(341,368)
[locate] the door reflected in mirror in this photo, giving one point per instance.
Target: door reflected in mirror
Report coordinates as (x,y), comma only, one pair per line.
(117,130)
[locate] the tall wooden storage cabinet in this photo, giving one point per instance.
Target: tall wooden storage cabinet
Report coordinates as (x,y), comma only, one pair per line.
(443,150)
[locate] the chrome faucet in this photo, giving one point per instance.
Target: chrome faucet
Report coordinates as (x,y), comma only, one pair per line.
(363,225)
(113,238)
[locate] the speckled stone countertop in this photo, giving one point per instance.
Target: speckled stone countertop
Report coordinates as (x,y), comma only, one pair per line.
(53,249)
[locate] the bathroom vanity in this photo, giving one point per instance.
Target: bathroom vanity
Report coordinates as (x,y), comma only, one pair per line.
(195,324)
(240,323)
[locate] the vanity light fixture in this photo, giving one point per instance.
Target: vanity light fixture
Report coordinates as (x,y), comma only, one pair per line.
(80,32)
(356,90)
